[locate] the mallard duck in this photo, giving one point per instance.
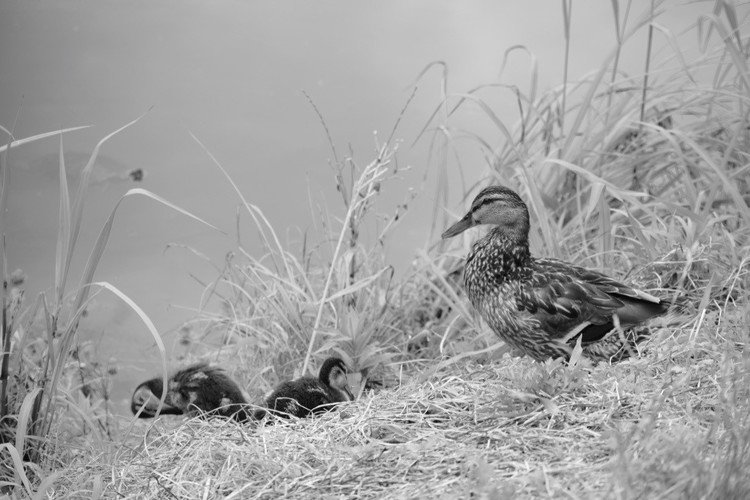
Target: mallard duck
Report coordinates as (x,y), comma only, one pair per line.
(199,389)
(308,396)
(542,307)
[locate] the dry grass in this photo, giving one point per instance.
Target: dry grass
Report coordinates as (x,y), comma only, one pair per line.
(671,424)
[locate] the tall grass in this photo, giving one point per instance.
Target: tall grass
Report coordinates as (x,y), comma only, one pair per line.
(38,339)
(288,309)
(622,173)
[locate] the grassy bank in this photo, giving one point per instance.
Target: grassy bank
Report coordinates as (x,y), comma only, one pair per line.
(673,423)
(642,177)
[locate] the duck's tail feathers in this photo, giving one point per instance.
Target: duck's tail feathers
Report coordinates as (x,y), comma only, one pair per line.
(635,311)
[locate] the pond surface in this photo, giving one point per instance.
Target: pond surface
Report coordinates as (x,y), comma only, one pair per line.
(233,73)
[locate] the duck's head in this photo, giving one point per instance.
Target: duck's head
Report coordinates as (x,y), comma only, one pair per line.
(333,373)
(147,396)
(498,206)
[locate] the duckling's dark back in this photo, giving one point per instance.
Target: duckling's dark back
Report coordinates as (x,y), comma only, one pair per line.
(308,396)
(302,397)
(205,389)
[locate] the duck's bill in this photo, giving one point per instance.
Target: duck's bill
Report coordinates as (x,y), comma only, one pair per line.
(459,227)
(349,392)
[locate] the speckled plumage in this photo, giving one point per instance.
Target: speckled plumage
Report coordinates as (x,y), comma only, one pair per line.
(199,389)
(308,396)
(542,306)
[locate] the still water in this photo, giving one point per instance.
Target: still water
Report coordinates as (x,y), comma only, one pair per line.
(233,72)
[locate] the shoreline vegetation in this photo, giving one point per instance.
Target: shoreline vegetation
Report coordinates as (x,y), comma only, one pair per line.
(644,178)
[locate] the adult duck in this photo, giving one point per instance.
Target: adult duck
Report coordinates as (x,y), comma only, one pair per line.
(543,307)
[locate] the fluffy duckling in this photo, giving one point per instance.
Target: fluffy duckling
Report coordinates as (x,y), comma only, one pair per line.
(196,390)
(309,396)
(544,306)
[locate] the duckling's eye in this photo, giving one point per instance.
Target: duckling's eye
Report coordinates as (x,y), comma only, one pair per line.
(338,376)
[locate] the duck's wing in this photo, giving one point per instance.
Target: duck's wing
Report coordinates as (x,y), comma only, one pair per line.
(638,305)
(597,279)
(569,300)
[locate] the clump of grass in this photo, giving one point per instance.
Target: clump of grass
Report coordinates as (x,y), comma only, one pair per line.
(283,310)
(50,385)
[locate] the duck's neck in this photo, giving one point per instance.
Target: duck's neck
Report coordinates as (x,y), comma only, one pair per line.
(511,250)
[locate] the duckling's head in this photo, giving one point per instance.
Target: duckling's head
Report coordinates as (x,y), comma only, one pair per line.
(498,206)
(147,396)
(333,373)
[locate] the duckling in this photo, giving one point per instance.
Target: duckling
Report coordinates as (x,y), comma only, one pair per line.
(542,307)
(308,396)
(196,390)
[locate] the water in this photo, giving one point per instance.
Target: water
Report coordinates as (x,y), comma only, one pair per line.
(232,73)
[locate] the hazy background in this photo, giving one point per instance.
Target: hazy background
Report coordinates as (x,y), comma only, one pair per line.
(232,72)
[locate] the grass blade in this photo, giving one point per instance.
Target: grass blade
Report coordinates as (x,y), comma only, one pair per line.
(252,210)
(63,229)
(23,418)
(18,469)
(359,285)
(103,239)
(26,140)
(77,210)
(151,329)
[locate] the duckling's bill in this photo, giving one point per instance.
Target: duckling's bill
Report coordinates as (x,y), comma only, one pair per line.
(340,380)
(347,390)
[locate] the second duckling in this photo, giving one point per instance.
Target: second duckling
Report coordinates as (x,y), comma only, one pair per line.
(309,396)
